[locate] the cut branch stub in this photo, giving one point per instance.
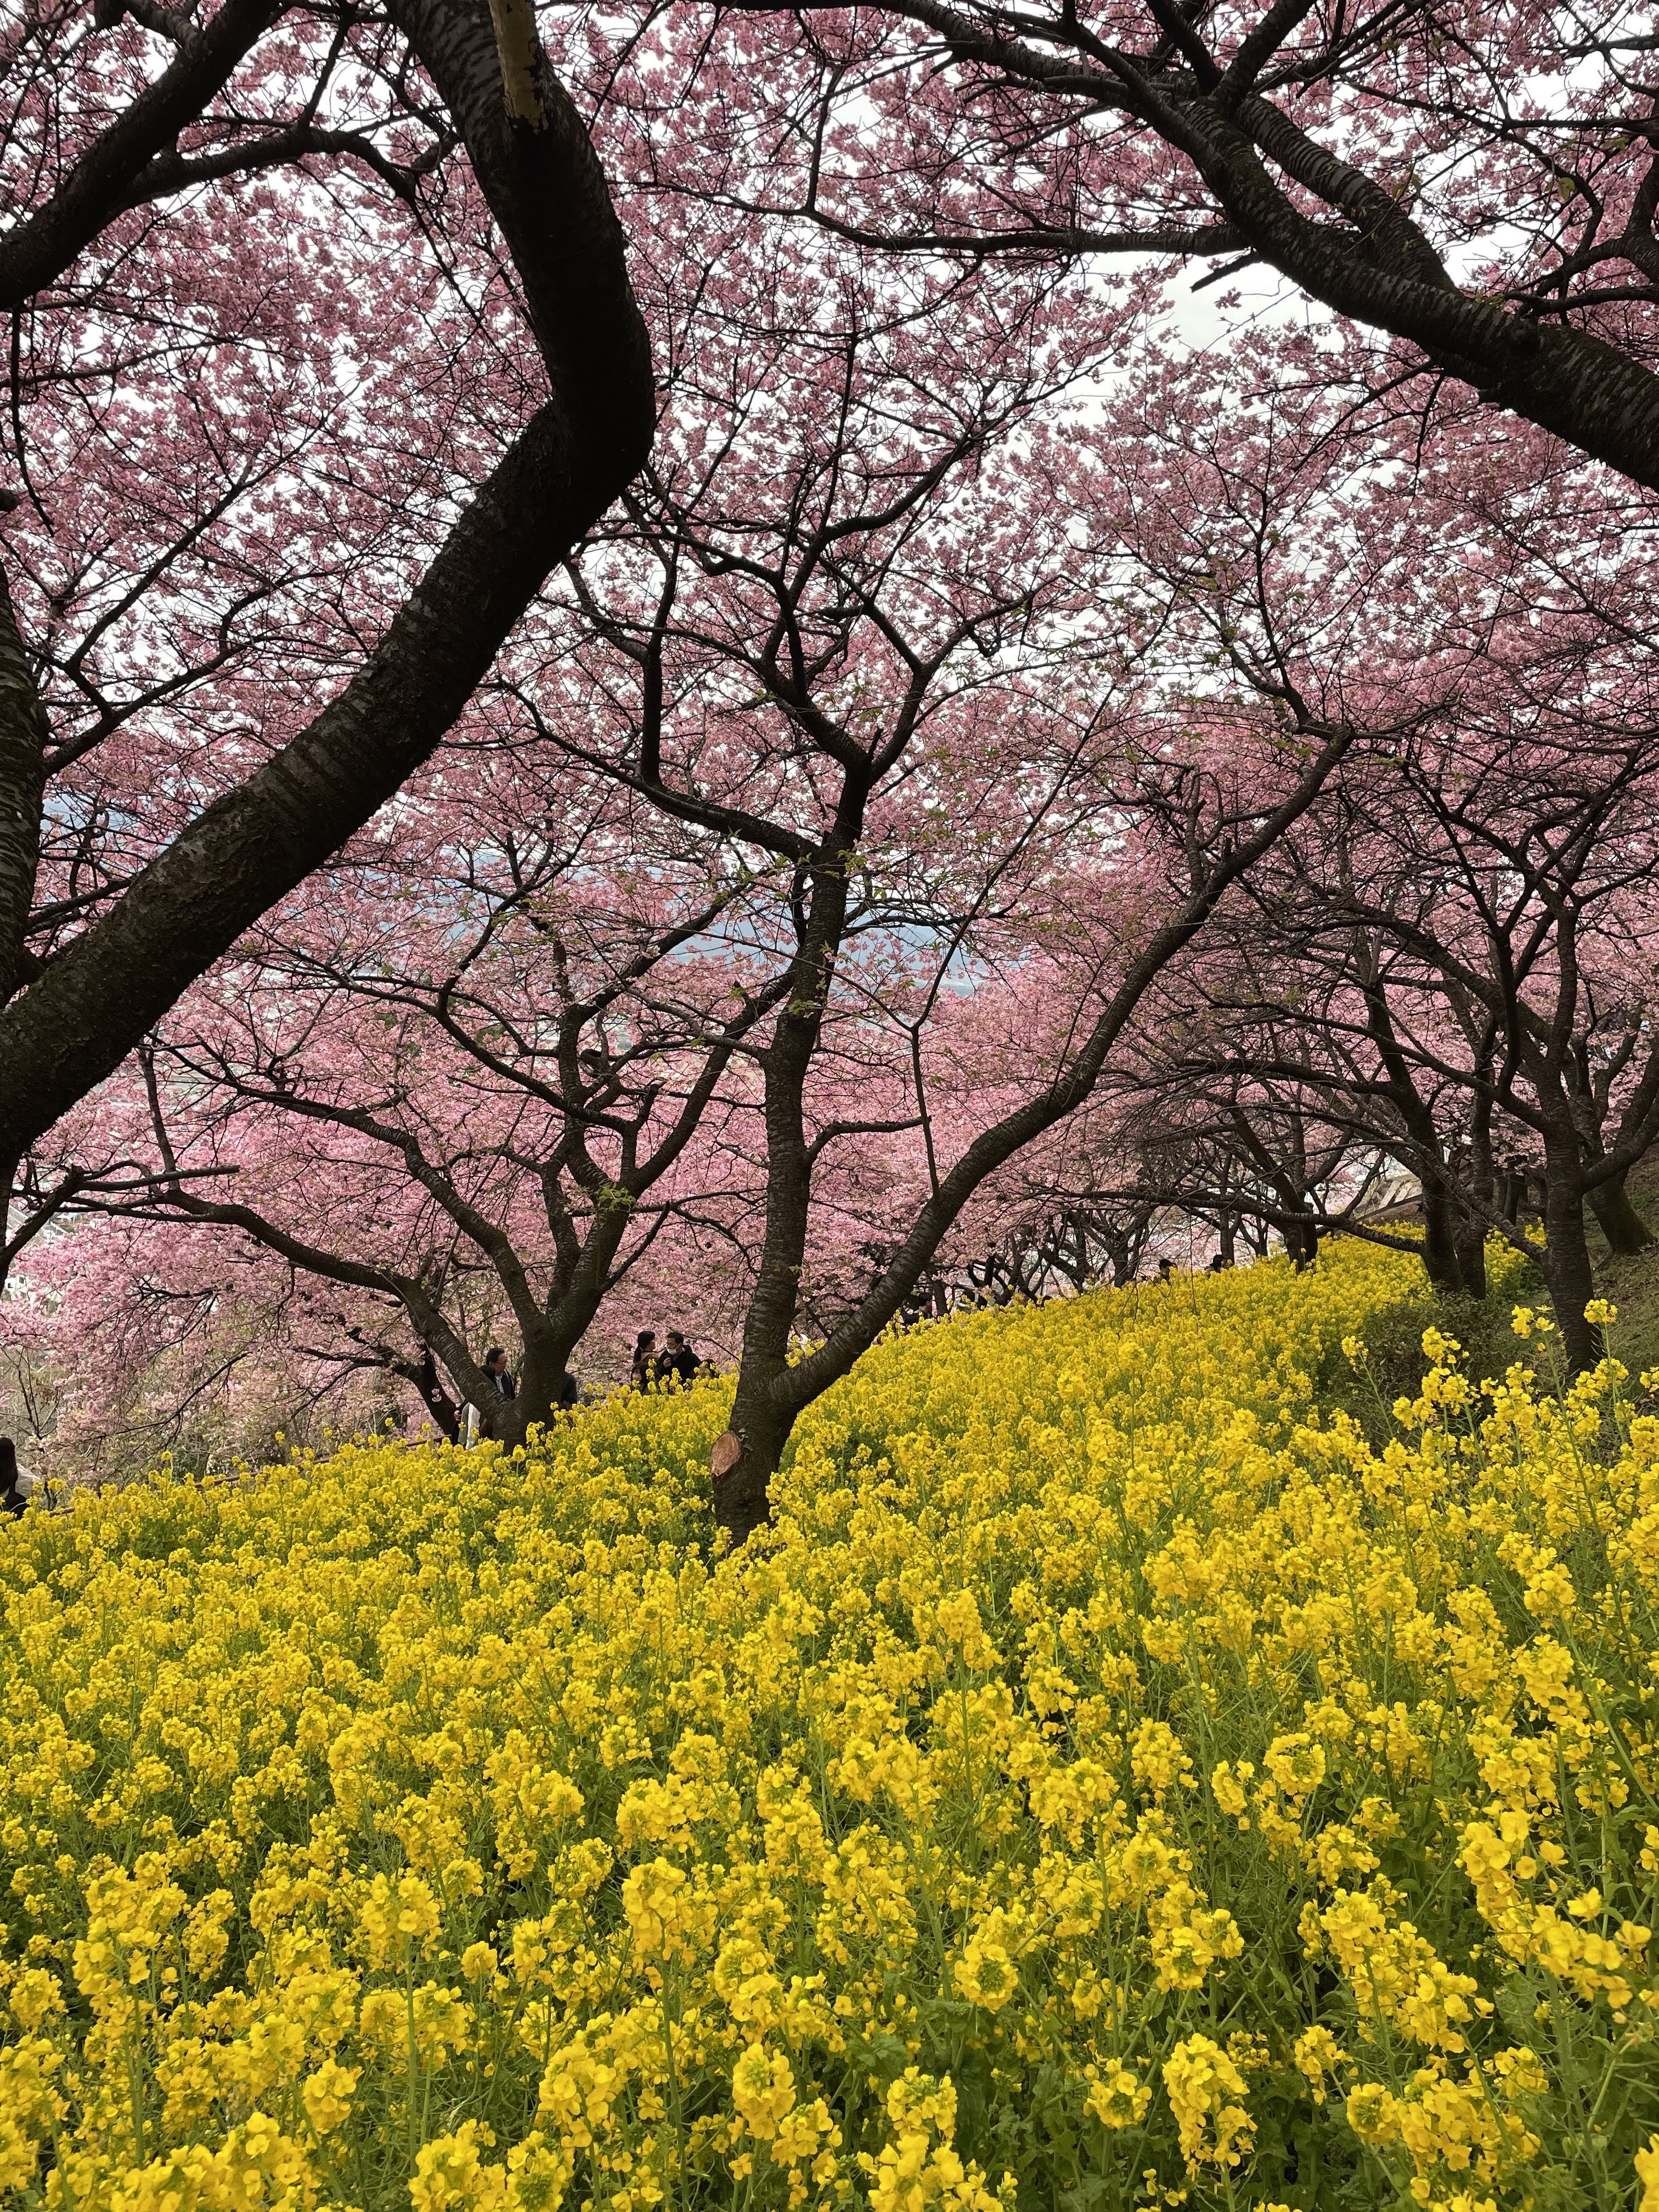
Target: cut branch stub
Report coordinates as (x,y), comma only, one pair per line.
(726,1451)
(520,53)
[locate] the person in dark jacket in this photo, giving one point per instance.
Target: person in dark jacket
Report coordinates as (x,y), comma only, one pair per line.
(677,1359)
(495,1369)
(14,1485)
(645,1359)
(567,1394)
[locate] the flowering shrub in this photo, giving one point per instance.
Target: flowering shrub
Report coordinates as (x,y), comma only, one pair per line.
(1111,1783)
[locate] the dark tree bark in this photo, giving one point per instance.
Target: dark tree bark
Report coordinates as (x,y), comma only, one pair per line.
(1472,1261)
(434,1396)
(1441,1256)
(1515,1195)
(1620,1224)
(1479,1191)
(1227,1238)
(22,783)
(94,1002)
(1567,1264)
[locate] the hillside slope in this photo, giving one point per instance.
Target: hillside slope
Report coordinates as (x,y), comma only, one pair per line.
(1108,1779)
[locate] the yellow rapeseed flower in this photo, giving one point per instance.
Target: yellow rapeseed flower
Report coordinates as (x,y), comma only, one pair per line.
(1127,1758)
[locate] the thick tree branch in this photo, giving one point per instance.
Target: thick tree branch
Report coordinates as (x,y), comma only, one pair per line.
(1373,265)
(38,249)
(548,194)
(23,782)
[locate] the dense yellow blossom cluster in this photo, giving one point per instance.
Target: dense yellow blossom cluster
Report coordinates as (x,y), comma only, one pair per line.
(1112,1784)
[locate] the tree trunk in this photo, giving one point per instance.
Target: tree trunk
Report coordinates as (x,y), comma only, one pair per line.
(507,1421)
(743,1495)
(1477,1202)
(1568,1273)
(767,1401)
(1469,1238)
(1117,1254)
(763,1411)
(1621,1224)
(1440,1248)
(437,1401)
(1472,1260)
(546,1354)
(23,739)
(549,1338)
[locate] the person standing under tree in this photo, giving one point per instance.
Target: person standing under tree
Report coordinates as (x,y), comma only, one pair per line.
(677,1359)
(495,1369)
(16,1484)
(645,1359)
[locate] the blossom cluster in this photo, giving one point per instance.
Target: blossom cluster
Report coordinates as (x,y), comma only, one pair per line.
(1114,1780)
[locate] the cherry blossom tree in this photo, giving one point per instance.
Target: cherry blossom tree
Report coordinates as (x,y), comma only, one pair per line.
(844,646)
(865,641)
(903,834)
(322,354)
(519,1044)
(133,1342)
(1472,193)
(492,1053)
(1506,958)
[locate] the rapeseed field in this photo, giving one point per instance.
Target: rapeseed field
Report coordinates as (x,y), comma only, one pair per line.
(1111,1785)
